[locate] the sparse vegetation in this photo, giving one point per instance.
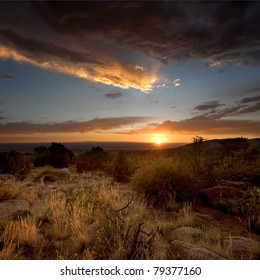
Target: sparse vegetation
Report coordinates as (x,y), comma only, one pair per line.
(162,178)
(90,210)
(14,163)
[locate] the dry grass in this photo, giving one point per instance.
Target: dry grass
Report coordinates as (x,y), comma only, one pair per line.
(92,218)
(58,217)
(212,240)
(10,190)
(78,218)
(23,232)
(9,252)
(185,216)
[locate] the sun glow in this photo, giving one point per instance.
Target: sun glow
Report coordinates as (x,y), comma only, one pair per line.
(158,139)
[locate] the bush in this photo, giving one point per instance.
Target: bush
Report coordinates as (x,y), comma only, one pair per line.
(57,155)
(121,169)
(13,163)
(250,208)
(159,179)
(96,159)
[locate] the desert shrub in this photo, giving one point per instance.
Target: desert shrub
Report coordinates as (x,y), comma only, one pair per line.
(206,169)
(13,163)
(250,208)
(228,205)
(123,234)
(236,168)
(231,145)
(95,159)
(57,155)
(121,169)
(162,177)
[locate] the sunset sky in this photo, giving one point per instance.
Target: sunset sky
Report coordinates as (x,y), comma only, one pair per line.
(129,71)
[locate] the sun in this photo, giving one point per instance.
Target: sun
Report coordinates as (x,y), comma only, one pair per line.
(158,141)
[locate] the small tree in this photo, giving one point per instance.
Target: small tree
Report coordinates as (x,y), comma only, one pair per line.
(198,148)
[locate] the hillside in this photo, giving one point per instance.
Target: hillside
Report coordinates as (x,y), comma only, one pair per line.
(214,143)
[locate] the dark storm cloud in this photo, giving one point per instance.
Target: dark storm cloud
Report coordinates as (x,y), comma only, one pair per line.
(7,77)
(166,30)
(113,95)
(96,40)
(208,105)
(38,48)
(102,124)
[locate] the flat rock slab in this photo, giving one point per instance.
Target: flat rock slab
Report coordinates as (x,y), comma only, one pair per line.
(12,209)
(180,250)
(188,232)
(243,248)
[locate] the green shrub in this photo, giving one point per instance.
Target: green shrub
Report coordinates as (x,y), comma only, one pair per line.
(161,177)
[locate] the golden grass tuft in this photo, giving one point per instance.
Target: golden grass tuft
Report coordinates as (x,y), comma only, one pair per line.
(212,240)
(58,216)
(185,216)
(22,232)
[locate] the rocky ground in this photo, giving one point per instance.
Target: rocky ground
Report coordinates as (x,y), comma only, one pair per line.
(212,234)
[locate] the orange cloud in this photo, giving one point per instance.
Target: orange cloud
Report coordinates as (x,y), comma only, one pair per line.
(94,125)
(107,71)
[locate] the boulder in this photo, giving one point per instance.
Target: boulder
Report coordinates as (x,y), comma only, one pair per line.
(209,196)
(243,248)
(180,250)
(188,232)
(12,209)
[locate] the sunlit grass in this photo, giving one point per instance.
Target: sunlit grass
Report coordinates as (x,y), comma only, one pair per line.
(23,232)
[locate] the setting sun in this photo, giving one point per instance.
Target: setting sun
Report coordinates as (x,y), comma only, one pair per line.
(158,139)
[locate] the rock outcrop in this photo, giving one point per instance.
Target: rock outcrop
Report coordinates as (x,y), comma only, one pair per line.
(243,248)
(180,250)
(13,209)
(210,196)
(188,233)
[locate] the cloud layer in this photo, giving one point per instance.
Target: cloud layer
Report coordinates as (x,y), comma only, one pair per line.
(94,125)
(111,42)
(213,119)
